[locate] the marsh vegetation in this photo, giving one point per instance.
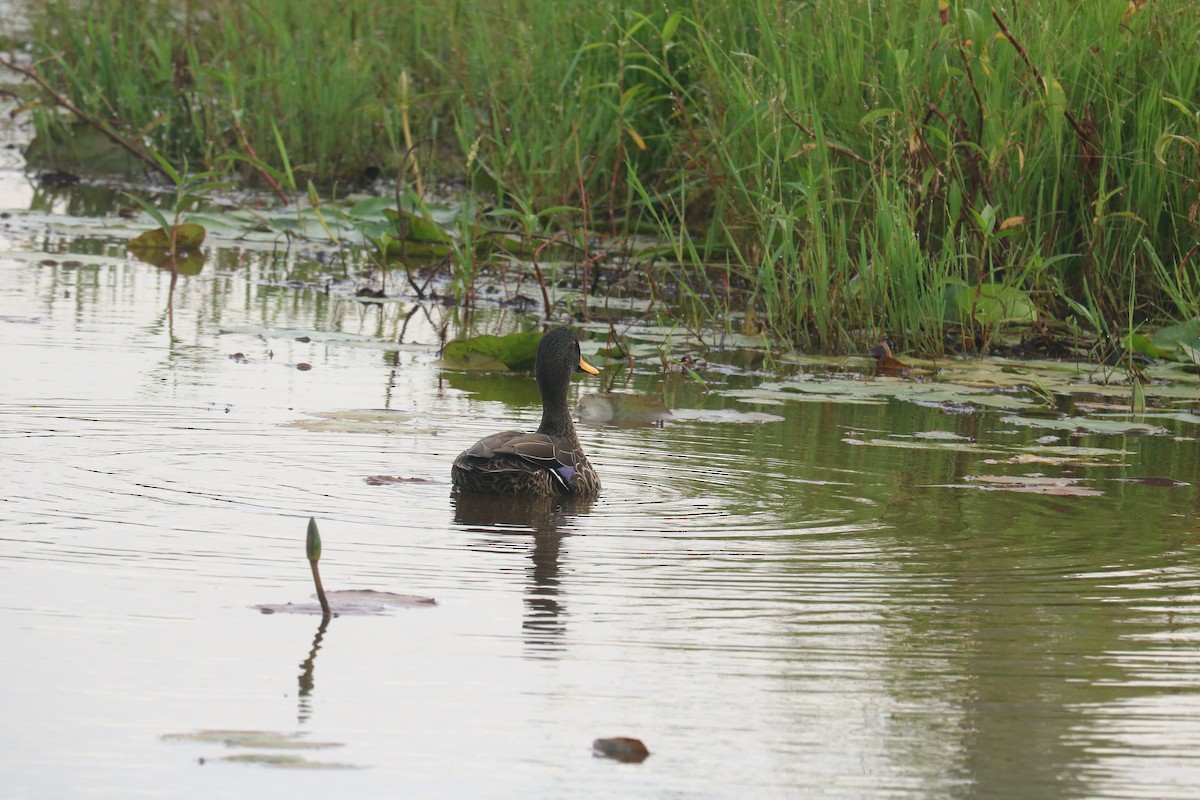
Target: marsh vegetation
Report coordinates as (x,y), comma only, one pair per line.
(820,174)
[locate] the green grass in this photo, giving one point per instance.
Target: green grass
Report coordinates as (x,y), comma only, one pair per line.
(830,171)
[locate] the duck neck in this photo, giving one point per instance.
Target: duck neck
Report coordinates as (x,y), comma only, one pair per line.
(556,420)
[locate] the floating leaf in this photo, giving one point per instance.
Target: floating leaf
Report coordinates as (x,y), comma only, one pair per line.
(1113,427)
(1155,480)
(386,480)
(353,603)
(378,420)
(514,350)
(726,415)
(188,236)
(1034,484)
(266,739)
(285,761)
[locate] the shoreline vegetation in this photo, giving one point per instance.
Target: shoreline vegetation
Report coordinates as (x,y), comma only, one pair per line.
(948,176)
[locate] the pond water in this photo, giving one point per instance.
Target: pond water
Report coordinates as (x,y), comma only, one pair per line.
(824,604)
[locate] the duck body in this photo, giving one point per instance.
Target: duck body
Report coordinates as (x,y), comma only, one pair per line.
(547,462)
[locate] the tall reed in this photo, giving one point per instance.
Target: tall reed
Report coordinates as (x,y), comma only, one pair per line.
(843,165)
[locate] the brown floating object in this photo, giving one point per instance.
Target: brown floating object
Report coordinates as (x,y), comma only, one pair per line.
(621,748)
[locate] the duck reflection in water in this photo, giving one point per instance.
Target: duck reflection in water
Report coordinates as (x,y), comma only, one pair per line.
(506,523)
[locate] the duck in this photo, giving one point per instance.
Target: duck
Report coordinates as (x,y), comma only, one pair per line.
(549,461)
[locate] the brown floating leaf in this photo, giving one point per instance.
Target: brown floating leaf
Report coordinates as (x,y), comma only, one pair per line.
(1035,484)
(384,480)
(621,748)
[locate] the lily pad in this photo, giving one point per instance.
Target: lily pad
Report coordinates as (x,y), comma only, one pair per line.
(188,236)
(1111,427)
(285,761)
(1155,480)
(1187,332)
(415,227)
(513,351)
(265,739)
(1034,484)
(377,420)
(726,415)
(353,603)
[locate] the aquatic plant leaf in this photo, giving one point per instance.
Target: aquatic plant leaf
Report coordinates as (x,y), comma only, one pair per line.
(621,408)
(352,603)
(988,304)
(285,761)
(1140,343)
(387,480)
(1034,484)
(1158,481)
(264,739)
(188,236)
(411,227)
(918,444)
(1116,427)
(378,420)
(726,415)
(514,350)
(1187,332)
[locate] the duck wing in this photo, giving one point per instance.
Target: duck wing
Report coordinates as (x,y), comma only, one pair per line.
(535,449)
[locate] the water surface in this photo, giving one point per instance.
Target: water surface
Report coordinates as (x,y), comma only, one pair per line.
(776,609)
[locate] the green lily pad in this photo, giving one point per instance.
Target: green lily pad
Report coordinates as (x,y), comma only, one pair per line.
(188,236)
(416,228)
(1140,343)
(513,351)
(1187,332)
